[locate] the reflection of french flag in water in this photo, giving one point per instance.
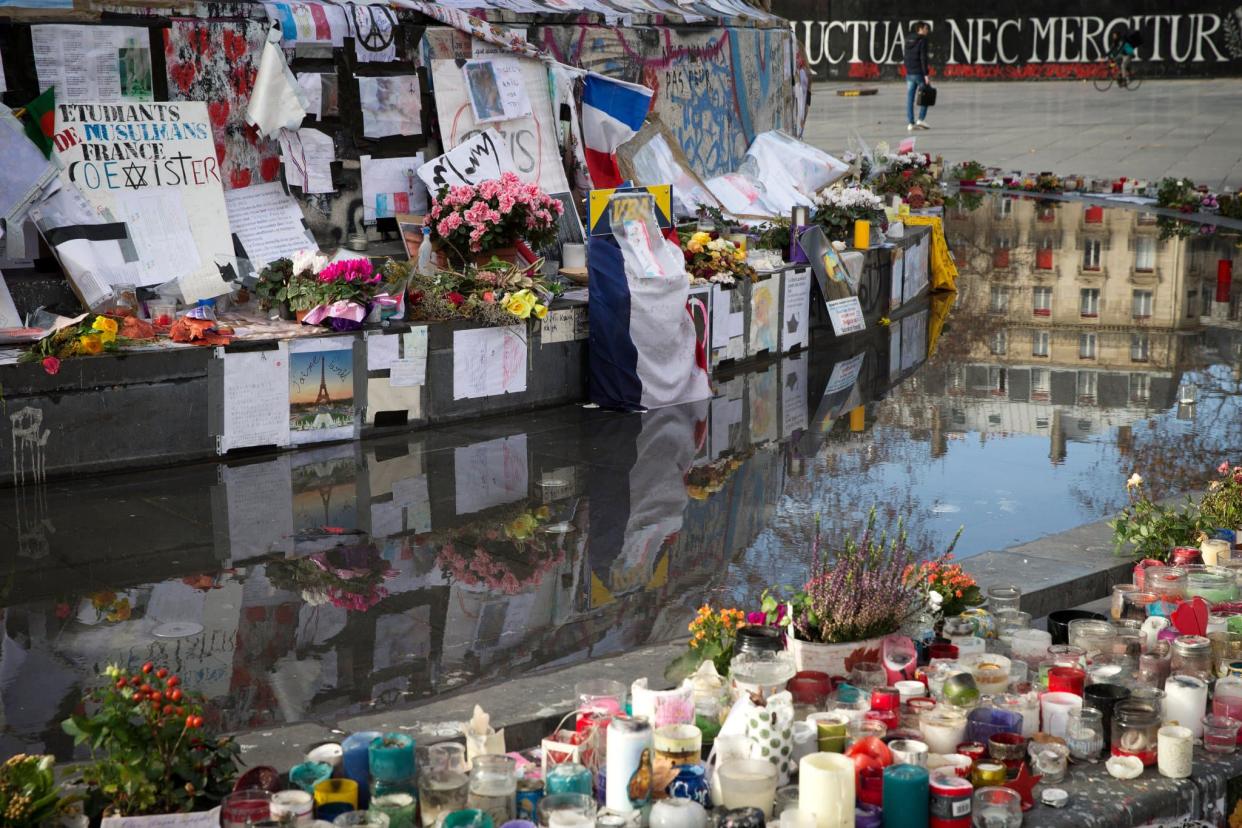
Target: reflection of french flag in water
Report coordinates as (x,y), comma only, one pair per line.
(612,112)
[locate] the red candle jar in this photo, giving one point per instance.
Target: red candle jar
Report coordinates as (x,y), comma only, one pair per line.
(1140,571)
(1009,749)
(975,750)
(810,687)
(950,801)
(886,699)
(1063,679)
(1185,555)
(889,718)
(871,786)
(942,651)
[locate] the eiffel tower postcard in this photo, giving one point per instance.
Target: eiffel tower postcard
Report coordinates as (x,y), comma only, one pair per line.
(321,390)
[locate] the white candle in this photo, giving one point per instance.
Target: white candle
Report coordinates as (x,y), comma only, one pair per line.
(910,690)
(1185,699)
(943,730)
(826,789)
(805,740)
(797,818)
(297,805)
(573,255)
(1056,708)
(1214,551)
(630,748)
(677,813)
(748,783)
(1175,751)
(968,645)
(1030,645)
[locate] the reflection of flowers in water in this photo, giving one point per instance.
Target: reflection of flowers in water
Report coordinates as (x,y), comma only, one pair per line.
(507,555)
(349,577)
(709,478)
(108,607)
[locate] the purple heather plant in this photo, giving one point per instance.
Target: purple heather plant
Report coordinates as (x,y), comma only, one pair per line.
(861,590)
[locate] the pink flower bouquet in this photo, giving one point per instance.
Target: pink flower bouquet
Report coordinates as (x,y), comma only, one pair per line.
(468,220)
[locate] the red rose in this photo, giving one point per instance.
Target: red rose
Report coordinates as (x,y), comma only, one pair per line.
(907,173)
(455,297)
(51,365)
(416,297)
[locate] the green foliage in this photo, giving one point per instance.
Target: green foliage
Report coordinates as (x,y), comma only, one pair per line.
(1221,506)
(301,292)
(29,797)
(774,235)
(272,280)
(724,225)
(1148,530)
(149,755)
(967,170)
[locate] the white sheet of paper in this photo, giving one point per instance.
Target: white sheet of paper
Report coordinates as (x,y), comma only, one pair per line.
(391,105)
(490,473)
(9,317)
(160,228)
(256,399)
(497,89)
(727,321)
(260,504)
(312,86)
(479,158)
(204,819)
(411,369)
(204,283)
(308,155)
(277,101)
(846,315)
(796,324)
(92,266)
(382,350)
(268,221)
(389,186)
(489,361)
(93,63)
(374,38)
(557,326)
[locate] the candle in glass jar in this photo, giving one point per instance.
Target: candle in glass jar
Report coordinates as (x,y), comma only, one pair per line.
(748,783)
(943,730)
(905,796)
(1063,679)
(1215,551)
(293,805)
(1055,708)
(1175,751)
(826,789)
(1185,699)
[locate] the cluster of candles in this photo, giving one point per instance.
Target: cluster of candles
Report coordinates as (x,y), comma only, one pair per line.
(946,733)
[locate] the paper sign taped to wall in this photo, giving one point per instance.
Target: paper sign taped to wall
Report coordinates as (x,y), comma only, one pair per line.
(390,186)
(94,63)
(268,222)
(256,399)
(480,158)
(497,89)
(846,316)
(153,166)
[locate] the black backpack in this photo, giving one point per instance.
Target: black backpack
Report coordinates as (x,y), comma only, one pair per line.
(1135,38)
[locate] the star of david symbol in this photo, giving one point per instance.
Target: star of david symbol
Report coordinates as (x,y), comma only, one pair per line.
(135,175)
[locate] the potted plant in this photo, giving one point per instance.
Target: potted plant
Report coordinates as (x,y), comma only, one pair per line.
(1221,506)
(149,751)
(713,259)
(1148,530)
(473,223)
(712,635)
(29,796)
(967,173)
(950,589)
(837,208)
(272,280)
(343,291)
(857,593)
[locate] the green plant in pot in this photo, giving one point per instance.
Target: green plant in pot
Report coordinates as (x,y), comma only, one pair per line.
(149,752)
(1147,529)
(29,797)
(274,279)
(1221,506)
(967,171)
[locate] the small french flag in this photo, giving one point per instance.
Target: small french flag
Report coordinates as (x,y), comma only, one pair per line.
(612,112)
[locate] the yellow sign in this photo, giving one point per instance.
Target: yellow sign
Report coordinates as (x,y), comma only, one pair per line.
(600,217)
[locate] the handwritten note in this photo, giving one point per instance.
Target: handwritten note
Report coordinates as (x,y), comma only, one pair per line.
(411,369)
(490,473)
(256,399)
(160,228)
(497,90)
(308,155)
(382,351)
(557,326)
(489,361)
(846,315)
(483,157)
(268,221)
(202,819)
(728,315)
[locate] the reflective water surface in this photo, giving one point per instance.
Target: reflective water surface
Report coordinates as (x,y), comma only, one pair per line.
(352,577)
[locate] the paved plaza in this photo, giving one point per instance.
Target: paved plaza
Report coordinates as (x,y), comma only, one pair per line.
(1181,128)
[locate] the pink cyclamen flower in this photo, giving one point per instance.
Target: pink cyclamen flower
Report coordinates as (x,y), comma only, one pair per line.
(1223,468)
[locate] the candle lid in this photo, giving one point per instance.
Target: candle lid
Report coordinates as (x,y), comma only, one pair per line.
(1054,797)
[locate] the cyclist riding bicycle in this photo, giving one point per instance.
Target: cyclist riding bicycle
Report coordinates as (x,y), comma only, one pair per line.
(1122,49)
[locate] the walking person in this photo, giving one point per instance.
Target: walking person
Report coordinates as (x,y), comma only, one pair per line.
(917,70)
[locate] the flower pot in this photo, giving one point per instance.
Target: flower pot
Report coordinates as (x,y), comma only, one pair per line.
(300,315)
(833,659)
(284,311)
(505,254)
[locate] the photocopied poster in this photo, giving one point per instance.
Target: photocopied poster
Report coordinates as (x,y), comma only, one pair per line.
(846,316)
(391,105)
(268,222)
(530,139)
(497,89)
(152,166)
(256,399)
(93,63)
(489,361)
(321,390)
(391,186)
(796,315)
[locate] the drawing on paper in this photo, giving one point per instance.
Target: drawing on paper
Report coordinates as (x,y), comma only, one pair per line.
(390,106)
(321,391)
(764,308)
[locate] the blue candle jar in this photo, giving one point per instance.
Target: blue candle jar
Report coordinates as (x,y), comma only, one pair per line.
(391,757)
(356,761)
(569,777)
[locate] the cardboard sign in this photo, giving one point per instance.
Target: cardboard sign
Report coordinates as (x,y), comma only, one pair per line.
(480,158)
(153,166)
(600,219)
(846,316)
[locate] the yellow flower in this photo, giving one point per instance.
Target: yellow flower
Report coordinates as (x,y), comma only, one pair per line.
(694,247)
(540,311)
(518,305)
(90,344)
(106,337)
(701,238)
(542,512)
(739,255)
(103,323)
(521,527)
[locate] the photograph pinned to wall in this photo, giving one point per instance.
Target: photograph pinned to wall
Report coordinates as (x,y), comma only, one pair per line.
(168,191)
(391,105)
(410,227)
(391,186)
(530,141)
(321,390)
(94,63)
(497,89)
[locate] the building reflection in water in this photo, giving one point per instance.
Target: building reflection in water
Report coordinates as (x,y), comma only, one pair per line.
(326,582)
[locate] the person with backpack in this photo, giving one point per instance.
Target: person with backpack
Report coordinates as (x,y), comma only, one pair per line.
(1122,48)
(917,71)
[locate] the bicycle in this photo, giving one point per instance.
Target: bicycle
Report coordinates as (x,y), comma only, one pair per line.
(1124,80)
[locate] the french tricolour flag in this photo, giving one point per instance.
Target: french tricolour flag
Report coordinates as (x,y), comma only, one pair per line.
(612,112)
